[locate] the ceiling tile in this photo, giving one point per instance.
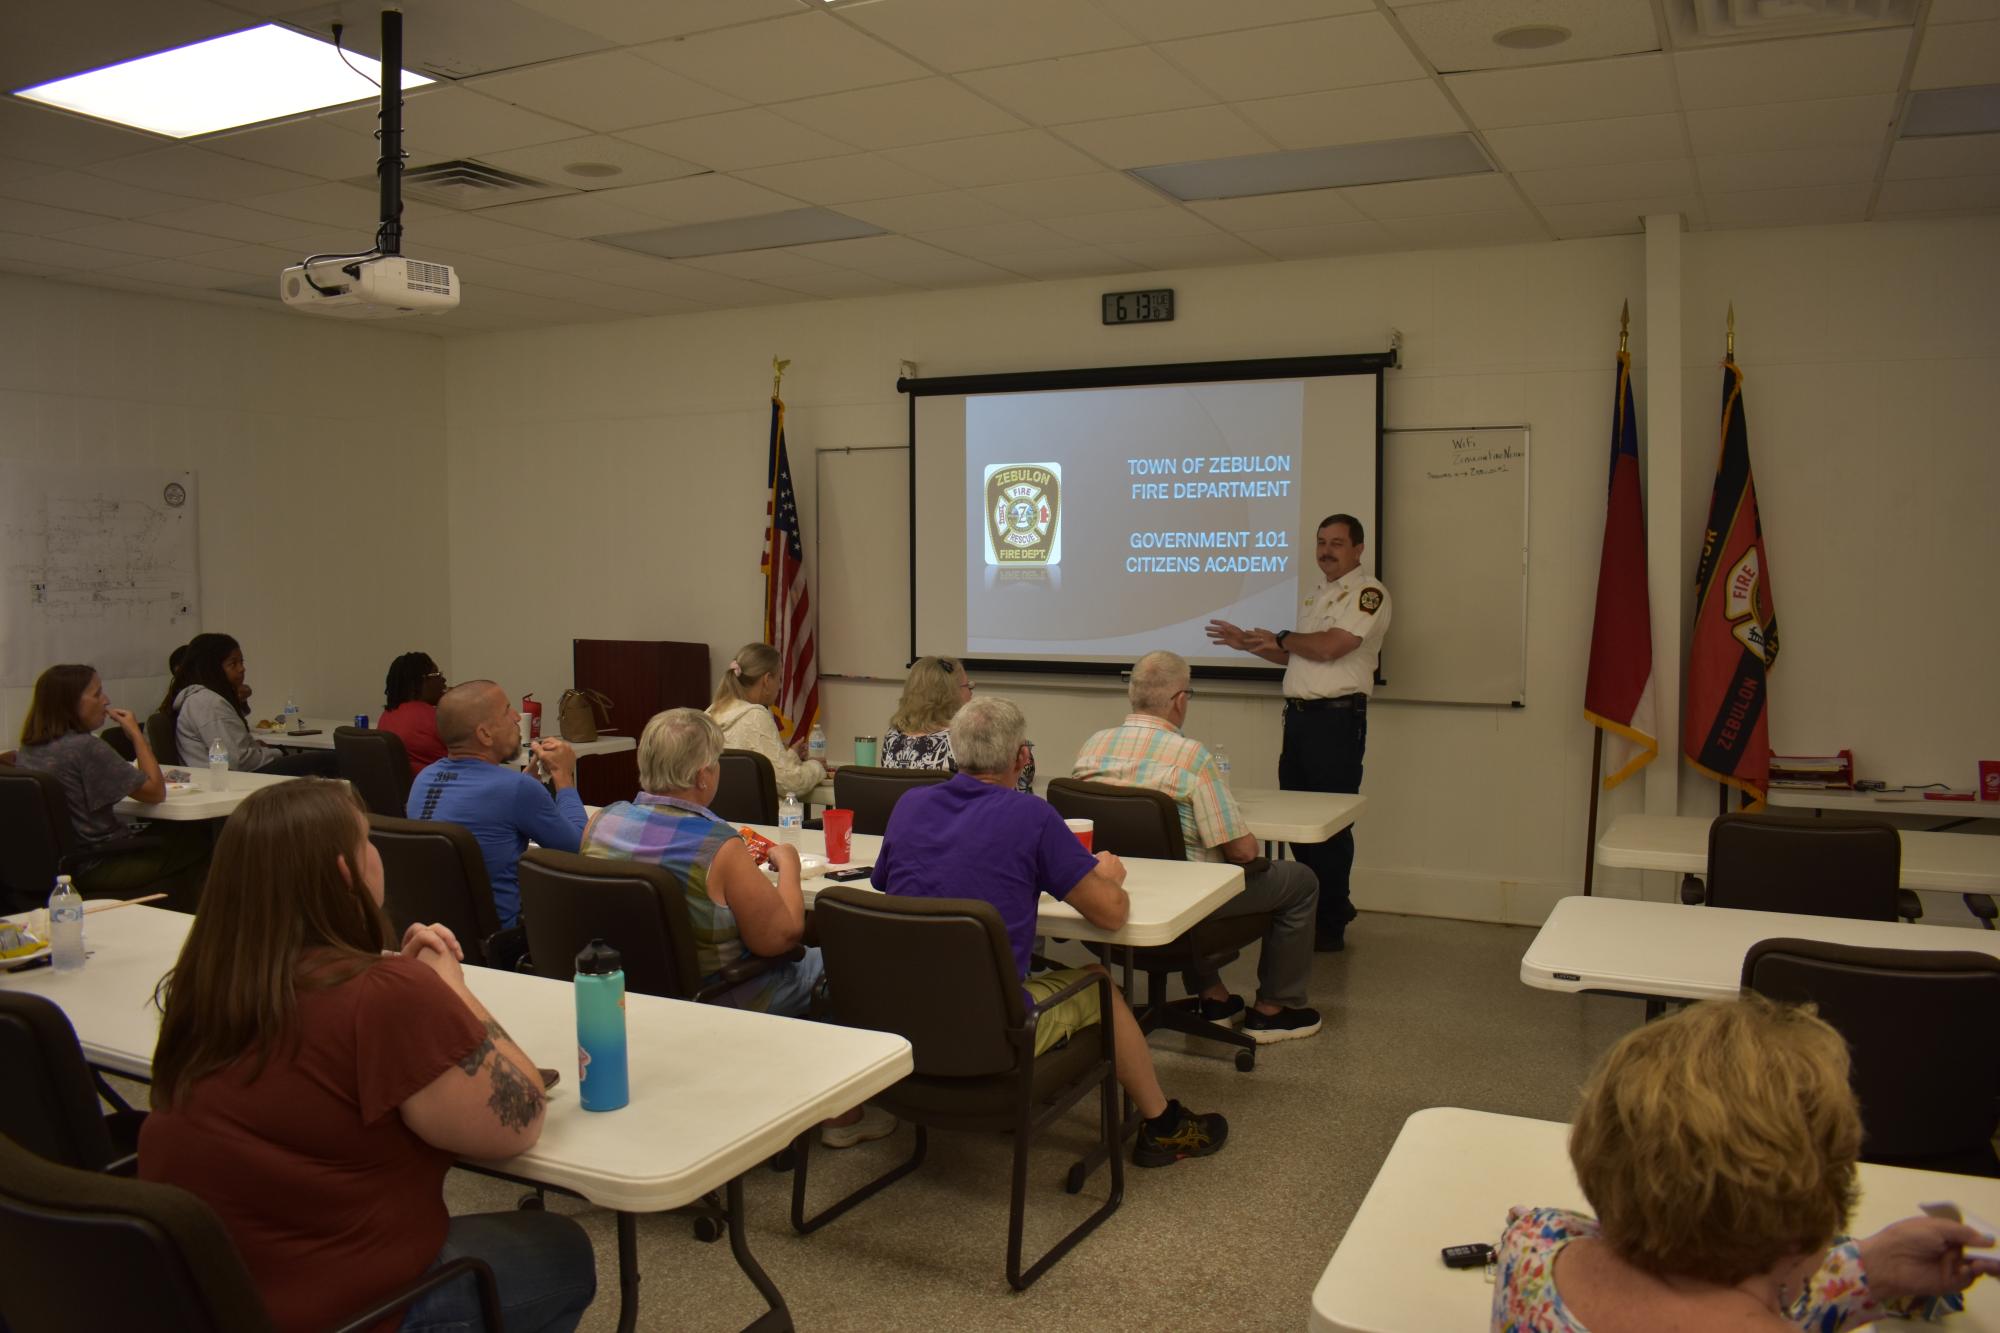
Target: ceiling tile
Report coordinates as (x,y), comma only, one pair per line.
(334,204)
(315,146)
(1776,171)
(1561,94)
(1164,20)
(1961,155)
(884,255)
(1959,55)
(32,219)
(1962,194)
(1963,11)
(140,238)
(483,232)
(37,134)
(1503,227)
(630,21)
(1070,196)
(576,215)
(51,41)
(699,199)
(997,240)
(1077,262)
(1193,134)
(456,38)
(59,254)
(995,159)
(773,266)
(956,35)
(1090,87)
(842,180)
(1134,224)
(1332,238)
(779,59)
(1623,217)
(696,284)
(1272,212)
(17,169)
(1837,122)
(551,162)
(94,194)
(737,139)
(900,114)
(1458,34)
(447,122)
(1341,52)
(1795,70)
(926,212)
(585,257)
(611,90)
(1407,110)
(1595,185)
(228,222)
(180,273)
(1589,143)
(834,282)
(1455,194)
(1782,208)
(257,261)
(1190,252)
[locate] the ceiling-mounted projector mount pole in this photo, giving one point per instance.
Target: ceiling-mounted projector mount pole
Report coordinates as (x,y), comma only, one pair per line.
(389,236)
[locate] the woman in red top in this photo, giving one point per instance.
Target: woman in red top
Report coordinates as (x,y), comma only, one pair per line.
(410,708)
(314,1090)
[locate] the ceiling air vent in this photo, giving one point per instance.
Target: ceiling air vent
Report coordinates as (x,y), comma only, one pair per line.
(1709,22)
(466,184)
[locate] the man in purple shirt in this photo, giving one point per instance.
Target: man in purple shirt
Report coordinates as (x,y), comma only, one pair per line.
(977,837)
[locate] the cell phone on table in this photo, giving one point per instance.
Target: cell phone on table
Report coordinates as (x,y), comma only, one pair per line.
(1467,1256)
(851,873)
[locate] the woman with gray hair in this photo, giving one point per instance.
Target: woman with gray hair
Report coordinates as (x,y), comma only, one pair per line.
(736,909)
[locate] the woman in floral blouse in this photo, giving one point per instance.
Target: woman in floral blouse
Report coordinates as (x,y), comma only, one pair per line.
(919,734)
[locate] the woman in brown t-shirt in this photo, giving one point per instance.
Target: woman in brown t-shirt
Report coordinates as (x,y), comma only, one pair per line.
(314,1090)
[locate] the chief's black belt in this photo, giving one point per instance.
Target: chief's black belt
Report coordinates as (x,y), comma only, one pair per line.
(1316,705)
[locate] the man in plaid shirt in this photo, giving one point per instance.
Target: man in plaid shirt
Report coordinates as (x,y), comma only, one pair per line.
(1147,749)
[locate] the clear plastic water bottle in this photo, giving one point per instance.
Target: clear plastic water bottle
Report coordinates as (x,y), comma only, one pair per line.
(66,925)
(1221,753)
(289,719)
(218,765)
(816,743)
(791,819)
(603,1078)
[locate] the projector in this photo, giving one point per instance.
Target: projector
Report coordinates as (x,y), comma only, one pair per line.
(380,287)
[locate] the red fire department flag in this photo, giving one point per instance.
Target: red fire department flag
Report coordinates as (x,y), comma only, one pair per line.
(1618,696)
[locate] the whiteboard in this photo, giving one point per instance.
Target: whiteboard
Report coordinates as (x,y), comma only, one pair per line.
(1455,561)
(100,568)
(862,565)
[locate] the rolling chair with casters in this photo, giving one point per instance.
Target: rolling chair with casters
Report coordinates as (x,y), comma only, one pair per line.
(872,793)
(49,1099)
(160,735)
(1811,867)
(377,766)
(748,790)
(38,841)
(1930,1098)
(116,738)
(432,871)
(1138,821)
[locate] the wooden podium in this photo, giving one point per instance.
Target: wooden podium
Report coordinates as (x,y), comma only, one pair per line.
(641,677)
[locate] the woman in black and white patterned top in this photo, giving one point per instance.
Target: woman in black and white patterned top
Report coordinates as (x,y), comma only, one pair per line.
(919,734)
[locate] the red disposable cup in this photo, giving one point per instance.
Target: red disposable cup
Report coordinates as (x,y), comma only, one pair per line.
(839,828)
(1084,830)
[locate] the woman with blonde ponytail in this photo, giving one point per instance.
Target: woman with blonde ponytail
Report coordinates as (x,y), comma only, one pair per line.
(742,708)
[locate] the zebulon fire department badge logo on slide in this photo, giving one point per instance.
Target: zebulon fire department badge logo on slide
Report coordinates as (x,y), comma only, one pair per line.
(1024,514)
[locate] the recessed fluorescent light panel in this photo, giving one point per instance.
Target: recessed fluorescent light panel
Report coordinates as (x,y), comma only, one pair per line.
(1321,168)
(1936,112)
(799,226)
(246,78)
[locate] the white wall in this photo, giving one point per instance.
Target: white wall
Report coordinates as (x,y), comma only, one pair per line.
(319,450)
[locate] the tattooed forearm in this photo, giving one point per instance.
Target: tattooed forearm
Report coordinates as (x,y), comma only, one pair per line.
(515,1101)
(472,1059)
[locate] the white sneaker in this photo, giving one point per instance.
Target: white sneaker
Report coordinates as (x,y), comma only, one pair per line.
(875,1123)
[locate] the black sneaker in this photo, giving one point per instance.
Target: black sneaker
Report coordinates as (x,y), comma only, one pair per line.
(1191,1136)
(1281,1026)
(1221,1012)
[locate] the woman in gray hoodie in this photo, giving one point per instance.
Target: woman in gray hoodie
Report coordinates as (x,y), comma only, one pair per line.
(204,701)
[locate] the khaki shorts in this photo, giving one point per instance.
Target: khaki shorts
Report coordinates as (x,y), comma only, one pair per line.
(1070,1017)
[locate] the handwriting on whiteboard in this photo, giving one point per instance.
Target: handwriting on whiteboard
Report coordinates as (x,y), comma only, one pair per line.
(1473,457)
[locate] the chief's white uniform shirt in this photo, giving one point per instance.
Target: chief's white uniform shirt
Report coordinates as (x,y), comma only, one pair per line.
(1357,603)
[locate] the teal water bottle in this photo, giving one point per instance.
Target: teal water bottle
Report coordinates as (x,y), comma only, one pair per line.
(602,1080)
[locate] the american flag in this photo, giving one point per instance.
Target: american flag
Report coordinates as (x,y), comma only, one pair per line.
(789,623)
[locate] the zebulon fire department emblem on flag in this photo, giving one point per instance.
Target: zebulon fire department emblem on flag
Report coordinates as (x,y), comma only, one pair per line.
(1024,514)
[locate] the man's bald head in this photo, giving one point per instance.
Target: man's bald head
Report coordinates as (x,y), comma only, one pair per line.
(467,708)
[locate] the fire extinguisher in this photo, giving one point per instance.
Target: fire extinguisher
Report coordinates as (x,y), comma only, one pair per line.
(532,710)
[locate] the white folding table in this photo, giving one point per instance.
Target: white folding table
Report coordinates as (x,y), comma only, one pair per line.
(1949,862)
(1453,1174)
(321,738)
(196,800)
(1667,951)
(715,1091)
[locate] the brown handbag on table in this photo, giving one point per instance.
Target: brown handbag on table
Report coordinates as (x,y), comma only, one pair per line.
(576,714)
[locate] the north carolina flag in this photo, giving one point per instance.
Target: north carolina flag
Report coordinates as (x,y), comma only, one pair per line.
(1618,696)
(789,623)
(1735,621)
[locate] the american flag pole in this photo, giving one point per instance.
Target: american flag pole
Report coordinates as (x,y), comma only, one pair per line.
(789,623)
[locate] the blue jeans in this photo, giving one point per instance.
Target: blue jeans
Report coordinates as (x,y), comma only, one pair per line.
(786,989)
(542,1264)
(1323,750)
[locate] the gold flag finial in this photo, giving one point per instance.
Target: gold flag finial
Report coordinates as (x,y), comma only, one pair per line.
(777,374)
(1729,343)
(1624,326)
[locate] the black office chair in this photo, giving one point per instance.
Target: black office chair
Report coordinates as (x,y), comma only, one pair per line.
(1813,867)
(49,1099)
(38,841)
(120,743)
(748,790)
(1919,1024)
(377,766)
(160,735)
(432,871)
(871,793)
(940,972)
(98,1251)
(1138,821)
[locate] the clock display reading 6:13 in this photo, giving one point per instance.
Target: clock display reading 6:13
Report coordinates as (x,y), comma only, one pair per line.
(1139,307)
